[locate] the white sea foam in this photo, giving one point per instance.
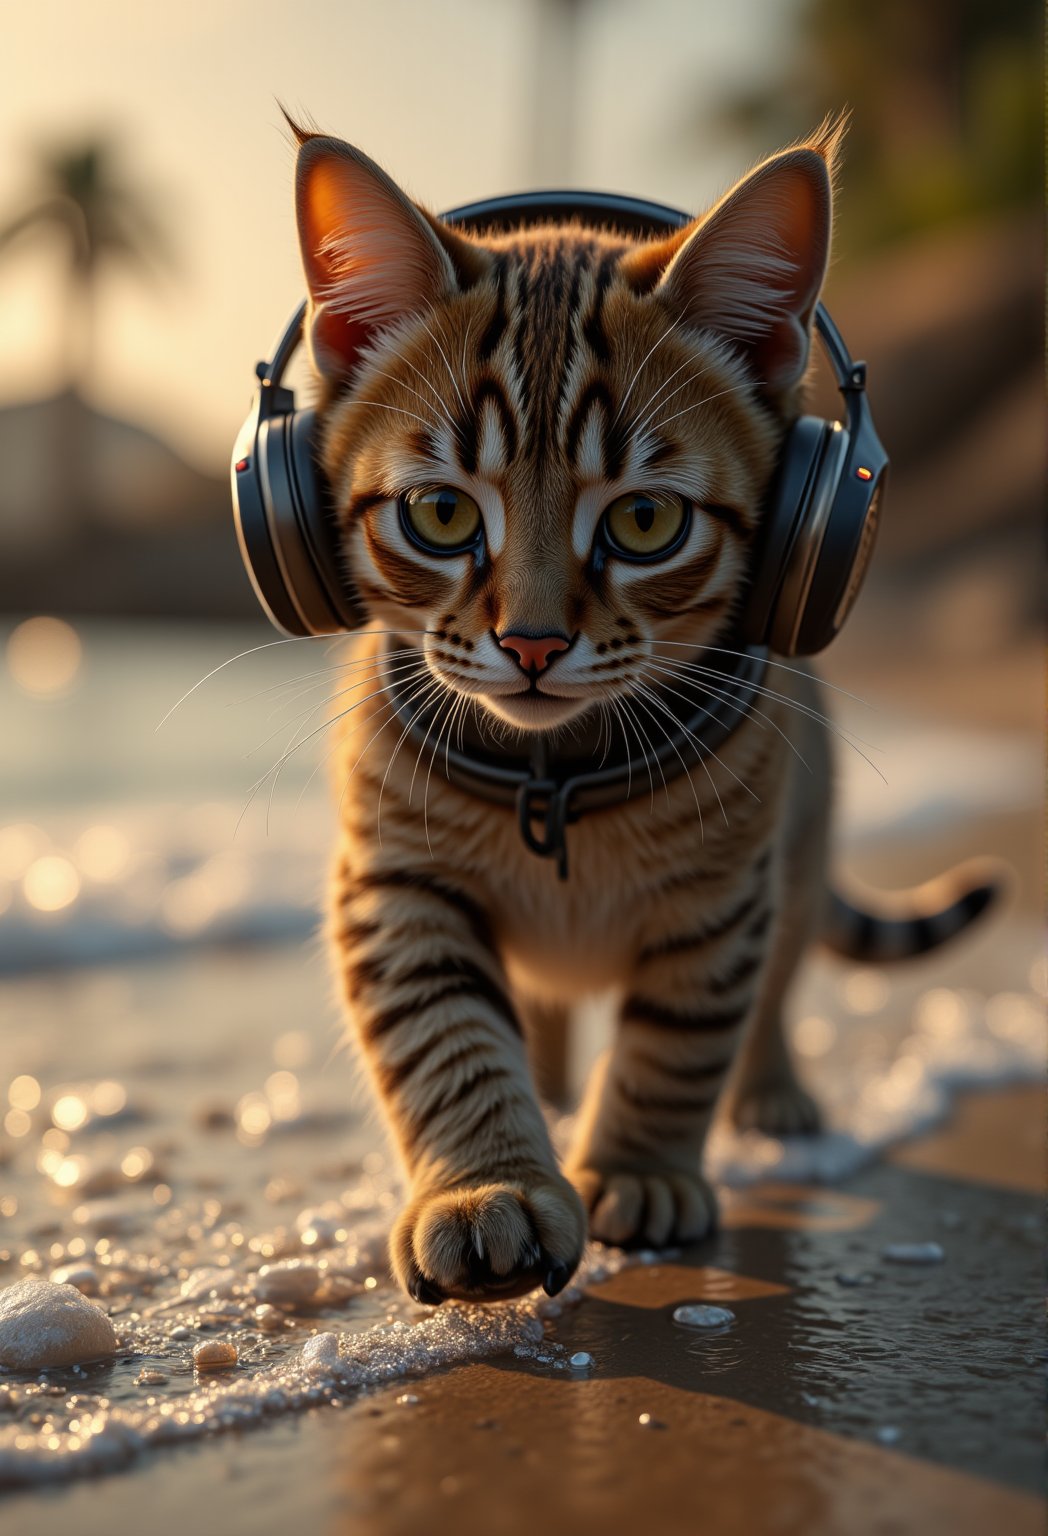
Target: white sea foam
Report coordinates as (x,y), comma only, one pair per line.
(957,1040)
(82,1436)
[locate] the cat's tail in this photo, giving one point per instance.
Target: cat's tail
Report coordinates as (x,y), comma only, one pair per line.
(900,925)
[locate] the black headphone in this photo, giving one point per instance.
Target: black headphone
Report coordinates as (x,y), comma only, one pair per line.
(817,532)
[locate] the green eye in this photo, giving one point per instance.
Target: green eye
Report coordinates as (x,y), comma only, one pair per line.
(639,525)
(442,520)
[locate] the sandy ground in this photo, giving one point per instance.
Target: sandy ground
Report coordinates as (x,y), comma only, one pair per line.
(909,1405)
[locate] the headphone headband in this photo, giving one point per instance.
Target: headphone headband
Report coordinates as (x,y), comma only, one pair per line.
(819,526)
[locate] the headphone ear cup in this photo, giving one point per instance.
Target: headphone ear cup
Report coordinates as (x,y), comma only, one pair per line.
(322,587)
(764,620)
(291,537)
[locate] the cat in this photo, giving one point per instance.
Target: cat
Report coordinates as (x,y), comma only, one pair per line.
(547,451)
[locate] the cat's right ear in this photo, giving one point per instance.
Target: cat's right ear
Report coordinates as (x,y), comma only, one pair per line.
(372,257)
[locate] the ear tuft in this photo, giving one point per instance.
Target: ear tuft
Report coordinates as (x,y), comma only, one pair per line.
(301,134)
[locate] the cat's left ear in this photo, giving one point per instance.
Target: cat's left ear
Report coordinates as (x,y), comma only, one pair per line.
(371,255)
(752,268)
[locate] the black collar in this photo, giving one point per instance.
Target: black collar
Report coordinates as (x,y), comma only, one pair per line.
(555,779)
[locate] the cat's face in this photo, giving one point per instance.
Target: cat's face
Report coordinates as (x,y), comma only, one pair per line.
(548,449)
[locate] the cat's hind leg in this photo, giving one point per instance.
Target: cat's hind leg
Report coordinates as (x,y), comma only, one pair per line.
(764,1093)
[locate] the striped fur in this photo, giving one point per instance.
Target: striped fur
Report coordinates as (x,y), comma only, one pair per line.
(544,373)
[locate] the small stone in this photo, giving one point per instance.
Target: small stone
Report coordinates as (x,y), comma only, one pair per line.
(701,1315)
(83,1276)
(854,1277)
(913,1253)
(649,1421)
(214,1355)
(45,1324)
(269,1318)
(289,1281)
(581,1361)
(150,1378)
(179,1333)
(888,1434)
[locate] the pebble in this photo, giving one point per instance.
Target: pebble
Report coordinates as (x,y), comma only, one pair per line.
(214,1355)
(83,1276)
(200,1283)
(701,1315)
(854,1277)
(289,1281)
(321,1350)
(581,1361)
(888,1434)
(649,1421)
(269,1318)
(43,1323)
(150,1378)
(318,1226)
(913,1253)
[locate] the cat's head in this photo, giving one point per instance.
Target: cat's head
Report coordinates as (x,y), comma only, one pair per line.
(548,449)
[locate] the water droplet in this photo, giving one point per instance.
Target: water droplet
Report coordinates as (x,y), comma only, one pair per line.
(701,1315)
(581,1361)
(913,1253)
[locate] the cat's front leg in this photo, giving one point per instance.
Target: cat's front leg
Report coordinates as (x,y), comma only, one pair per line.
(489,1214)
(636,1161)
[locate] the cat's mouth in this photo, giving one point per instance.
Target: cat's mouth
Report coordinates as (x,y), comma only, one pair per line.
(533,709)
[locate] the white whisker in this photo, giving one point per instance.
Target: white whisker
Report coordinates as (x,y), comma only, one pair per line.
(673,326)
(716,757)
(691,782)
(288,640)
(700,645)
(447,365)
(736,389)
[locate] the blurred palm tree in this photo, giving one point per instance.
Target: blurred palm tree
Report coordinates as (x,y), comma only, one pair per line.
(78,193)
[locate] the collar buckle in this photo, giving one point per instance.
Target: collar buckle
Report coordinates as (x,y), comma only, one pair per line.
(545,801)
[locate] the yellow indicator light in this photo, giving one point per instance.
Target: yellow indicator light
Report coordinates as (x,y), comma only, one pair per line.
(862,473)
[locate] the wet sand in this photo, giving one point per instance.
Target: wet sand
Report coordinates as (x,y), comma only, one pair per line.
(906,1404)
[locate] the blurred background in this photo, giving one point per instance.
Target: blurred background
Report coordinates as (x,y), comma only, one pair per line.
(148,258)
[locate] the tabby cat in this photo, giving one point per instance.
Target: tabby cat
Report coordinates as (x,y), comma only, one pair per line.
(547,451)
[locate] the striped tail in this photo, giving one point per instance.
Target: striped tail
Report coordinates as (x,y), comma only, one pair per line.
(909,923)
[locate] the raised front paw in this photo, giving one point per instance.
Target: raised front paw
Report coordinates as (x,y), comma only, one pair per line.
(487,1242)
(645,1209)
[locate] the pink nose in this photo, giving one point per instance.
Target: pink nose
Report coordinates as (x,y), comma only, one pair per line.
(534,651)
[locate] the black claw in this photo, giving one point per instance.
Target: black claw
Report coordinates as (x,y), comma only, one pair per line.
(557,1277)
(424,1291)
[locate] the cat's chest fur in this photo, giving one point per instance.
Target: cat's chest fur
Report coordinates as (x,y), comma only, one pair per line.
(689,843)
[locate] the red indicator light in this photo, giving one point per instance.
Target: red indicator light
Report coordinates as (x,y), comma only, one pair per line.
(242,464)
(862,473)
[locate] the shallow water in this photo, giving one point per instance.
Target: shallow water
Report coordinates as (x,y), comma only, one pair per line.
(219,1183)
